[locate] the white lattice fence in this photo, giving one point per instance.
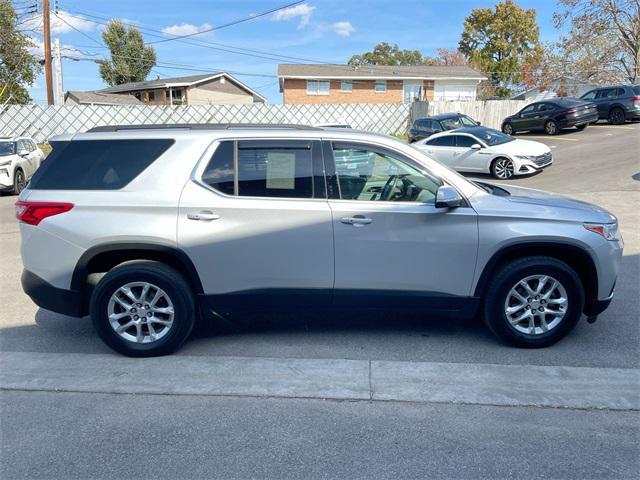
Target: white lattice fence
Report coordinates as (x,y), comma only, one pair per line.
(42,122)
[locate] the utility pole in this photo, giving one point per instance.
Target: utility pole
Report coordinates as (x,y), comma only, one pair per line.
(47,49)
(58,62)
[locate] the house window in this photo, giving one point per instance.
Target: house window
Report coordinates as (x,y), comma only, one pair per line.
(346,86)
(317,87)
(137,95)
(381,86)
(152,96)
(176,96)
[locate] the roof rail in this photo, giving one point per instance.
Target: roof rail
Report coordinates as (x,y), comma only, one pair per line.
(201,126)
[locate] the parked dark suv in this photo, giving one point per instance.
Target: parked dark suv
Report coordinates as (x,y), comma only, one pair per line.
(552,116)
(617,103)
(427,126)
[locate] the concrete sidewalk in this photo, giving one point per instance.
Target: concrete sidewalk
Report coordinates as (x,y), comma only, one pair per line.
(478,384)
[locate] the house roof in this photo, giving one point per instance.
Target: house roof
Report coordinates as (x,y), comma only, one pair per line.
(101,98)
(186,81)
(338,71)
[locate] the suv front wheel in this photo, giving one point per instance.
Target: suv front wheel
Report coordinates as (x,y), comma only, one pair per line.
(533,301)
(143,308)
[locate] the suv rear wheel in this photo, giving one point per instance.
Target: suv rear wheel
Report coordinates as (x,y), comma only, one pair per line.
(143,309)
(533,301)
(616,116)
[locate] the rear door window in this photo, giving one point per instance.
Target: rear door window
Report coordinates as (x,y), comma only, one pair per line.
(97,164)
(446,141)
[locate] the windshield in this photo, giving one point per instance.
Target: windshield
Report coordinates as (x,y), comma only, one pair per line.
(493,137)
(7,148)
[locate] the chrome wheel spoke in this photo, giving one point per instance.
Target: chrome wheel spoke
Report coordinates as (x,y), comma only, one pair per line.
(165,310)
(121,302)
(159,320)
(119,316)
(125,327)
(129,293)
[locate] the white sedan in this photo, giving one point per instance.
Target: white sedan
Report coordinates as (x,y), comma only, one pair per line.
(485,150)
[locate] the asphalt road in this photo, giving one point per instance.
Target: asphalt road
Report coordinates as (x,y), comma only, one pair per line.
(71,435)
(600,164)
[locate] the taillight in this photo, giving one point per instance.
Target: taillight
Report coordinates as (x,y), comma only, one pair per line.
(636,99)
(34,212)
(571,112)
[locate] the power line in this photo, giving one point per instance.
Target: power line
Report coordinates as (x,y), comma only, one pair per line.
(235,22)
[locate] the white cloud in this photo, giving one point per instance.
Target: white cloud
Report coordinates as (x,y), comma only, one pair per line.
(66,51)
(62,22)
(344,29)
(303,11)
(185,29)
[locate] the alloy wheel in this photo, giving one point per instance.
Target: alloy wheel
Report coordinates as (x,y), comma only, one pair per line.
(140,312)
(508,129)
(551,128)
(536,304)
(20,182)
(504,168)
(616,116)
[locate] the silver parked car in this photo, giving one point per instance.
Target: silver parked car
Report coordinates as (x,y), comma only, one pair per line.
(150,229)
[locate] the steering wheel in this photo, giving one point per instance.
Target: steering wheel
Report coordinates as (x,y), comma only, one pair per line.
(388,187)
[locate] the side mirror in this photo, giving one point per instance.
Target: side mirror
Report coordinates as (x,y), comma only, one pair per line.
(476,146)
(478,123)
(23,153)
(448,197)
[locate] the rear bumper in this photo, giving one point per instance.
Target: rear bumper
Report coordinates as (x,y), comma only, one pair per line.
(576,122)
(45,295)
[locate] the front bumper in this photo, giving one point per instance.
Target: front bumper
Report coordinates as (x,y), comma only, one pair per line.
(45,295)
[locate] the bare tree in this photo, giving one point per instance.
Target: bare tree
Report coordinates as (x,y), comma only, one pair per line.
(605,33)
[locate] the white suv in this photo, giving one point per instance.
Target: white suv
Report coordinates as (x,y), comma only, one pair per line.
(20,157)
(148,229)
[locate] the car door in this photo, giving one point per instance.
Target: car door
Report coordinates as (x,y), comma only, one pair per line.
(24,154)
(469,159)
(442,149)
(603,100)
(256,223)
(392,245)
(543,112)
(525,119)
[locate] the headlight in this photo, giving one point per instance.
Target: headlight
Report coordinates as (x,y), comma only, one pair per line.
(526,157)
(6,162)
(609,231)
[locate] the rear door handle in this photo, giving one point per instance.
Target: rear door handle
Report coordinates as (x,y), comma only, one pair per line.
(205,216)
(356,220)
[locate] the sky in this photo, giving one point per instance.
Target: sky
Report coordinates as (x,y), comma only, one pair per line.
(316,31)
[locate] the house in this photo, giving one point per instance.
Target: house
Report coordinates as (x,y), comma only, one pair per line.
(207,89)
(99,98)
(311,83)
(563,86)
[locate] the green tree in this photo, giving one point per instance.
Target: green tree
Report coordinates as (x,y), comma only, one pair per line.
(500,41)
(385,54)
(131,60)
(604,39)
(18,67)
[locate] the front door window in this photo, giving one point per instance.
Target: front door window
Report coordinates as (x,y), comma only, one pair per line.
(370,174)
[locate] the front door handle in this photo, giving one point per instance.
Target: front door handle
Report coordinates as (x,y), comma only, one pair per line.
(356,220)
(205,216)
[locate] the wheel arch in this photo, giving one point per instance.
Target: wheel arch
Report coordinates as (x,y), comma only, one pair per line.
(102,258)
(576,257)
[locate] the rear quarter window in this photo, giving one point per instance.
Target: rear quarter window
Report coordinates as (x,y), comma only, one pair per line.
(97,164)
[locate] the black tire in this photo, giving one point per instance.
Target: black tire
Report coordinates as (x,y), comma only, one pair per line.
(157,274)
(502,168)
(508,276)
(616,116)
(19,181)
(551,127)
(508,129)
(582,127)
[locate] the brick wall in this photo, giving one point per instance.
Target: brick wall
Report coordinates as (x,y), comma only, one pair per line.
(295,91)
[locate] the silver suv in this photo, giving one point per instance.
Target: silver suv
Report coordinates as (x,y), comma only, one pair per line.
(150,229)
